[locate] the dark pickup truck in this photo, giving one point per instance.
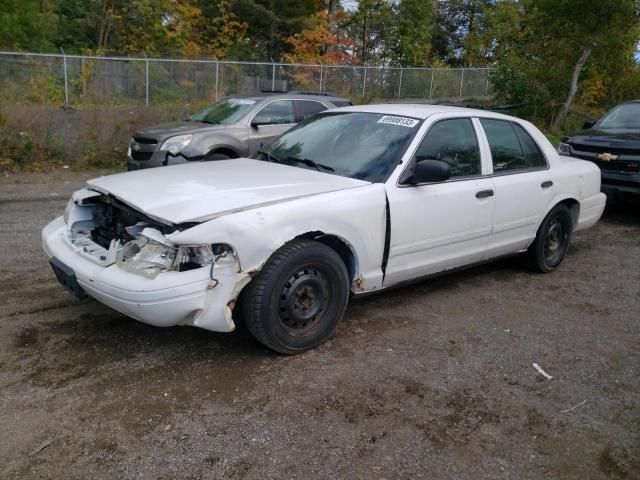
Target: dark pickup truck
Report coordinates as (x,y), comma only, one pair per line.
(612,143)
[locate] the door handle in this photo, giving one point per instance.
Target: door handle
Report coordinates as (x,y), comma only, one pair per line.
(484,194)
(546,184)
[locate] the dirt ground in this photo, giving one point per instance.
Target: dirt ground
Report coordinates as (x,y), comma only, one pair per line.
(430,381)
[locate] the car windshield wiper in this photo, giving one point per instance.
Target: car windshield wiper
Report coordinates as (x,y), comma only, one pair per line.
(268,156)
(210,122)
(311,163)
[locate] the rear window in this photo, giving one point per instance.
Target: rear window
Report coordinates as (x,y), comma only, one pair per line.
(506,151)
(342,103)
(532,152)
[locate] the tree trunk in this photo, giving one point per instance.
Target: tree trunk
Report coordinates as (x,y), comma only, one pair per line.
(363,60)
(562,114)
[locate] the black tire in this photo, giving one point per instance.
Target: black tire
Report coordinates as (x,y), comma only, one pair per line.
(215,156)
(549,248)
(297,300)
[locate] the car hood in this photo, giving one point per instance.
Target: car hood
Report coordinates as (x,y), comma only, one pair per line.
(200,191)
(166,130)
(614,138)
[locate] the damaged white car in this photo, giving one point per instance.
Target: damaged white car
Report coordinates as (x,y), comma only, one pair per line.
(352,201)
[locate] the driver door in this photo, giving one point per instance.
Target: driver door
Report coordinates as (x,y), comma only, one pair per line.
(270,122)
(442,225)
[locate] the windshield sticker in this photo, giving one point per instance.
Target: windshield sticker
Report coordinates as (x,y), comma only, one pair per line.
(401,121)
(242,101)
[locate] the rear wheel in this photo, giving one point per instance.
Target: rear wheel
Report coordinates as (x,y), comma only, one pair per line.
(298,298)
(552,240)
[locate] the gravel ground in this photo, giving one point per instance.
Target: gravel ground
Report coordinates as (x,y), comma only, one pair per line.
(433,380)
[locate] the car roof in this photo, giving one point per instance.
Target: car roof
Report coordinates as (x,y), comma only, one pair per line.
(418,110)
(328,97)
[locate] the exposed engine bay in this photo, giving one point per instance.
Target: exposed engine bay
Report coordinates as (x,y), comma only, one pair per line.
(108,231)
(113,220)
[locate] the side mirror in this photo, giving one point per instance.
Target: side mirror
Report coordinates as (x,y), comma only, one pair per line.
(427,171)
(259,120)
(588,125)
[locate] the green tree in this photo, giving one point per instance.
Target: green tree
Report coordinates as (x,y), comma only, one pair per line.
(454,20)
(271,22)
(26,25)
(545,48)
(371,27)
(599,33)
(415,23)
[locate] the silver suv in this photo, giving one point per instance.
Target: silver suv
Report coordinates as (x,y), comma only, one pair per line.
(234,127)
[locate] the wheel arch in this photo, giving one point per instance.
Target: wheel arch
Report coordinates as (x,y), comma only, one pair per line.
(341,246)
(572,203)
(224,150)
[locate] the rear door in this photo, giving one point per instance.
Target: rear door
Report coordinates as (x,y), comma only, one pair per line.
(272,120)
(523,185)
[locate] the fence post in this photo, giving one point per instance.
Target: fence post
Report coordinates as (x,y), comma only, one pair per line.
(400,83)
(486,89)
(273,77)
(66,80)
(461,83)
(217,67)
(431,86)
(364,81)
(321,72)
(146,80)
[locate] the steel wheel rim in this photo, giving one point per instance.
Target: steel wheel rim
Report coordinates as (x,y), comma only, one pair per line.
(554,241)
(303,301)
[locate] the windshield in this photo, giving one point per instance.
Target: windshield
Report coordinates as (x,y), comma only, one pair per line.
(225,112)
(623,116)
(358,145)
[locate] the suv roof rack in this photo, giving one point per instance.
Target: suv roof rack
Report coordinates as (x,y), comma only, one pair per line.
(275,92)
(305,92)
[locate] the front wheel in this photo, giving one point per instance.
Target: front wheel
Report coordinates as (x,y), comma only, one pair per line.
(215,156)
(552,240)
(297,300)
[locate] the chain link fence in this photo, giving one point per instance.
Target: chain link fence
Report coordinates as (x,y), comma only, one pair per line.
(58,79)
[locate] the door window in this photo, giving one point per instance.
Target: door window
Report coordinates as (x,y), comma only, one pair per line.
(532,152)
(506,151)
(453,142)
(308,108)
(276,113)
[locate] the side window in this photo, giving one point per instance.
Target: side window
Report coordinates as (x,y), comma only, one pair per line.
(532,152)
(307,108)
(278,112)
(454,142)
(506,151)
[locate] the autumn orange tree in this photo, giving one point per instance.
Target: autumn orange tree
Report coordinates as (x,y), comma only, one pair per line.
(319,45)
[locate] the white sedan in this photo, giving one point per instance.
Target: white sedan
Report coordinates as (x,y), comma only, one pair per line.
(352,201)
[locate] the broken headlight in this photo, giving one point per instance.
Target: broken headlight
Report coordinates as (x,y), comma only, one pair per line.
(67,210)
(147,257)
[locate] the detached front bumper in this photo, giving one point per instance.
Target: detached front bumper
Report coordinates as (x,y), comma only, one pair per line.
(172,298)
